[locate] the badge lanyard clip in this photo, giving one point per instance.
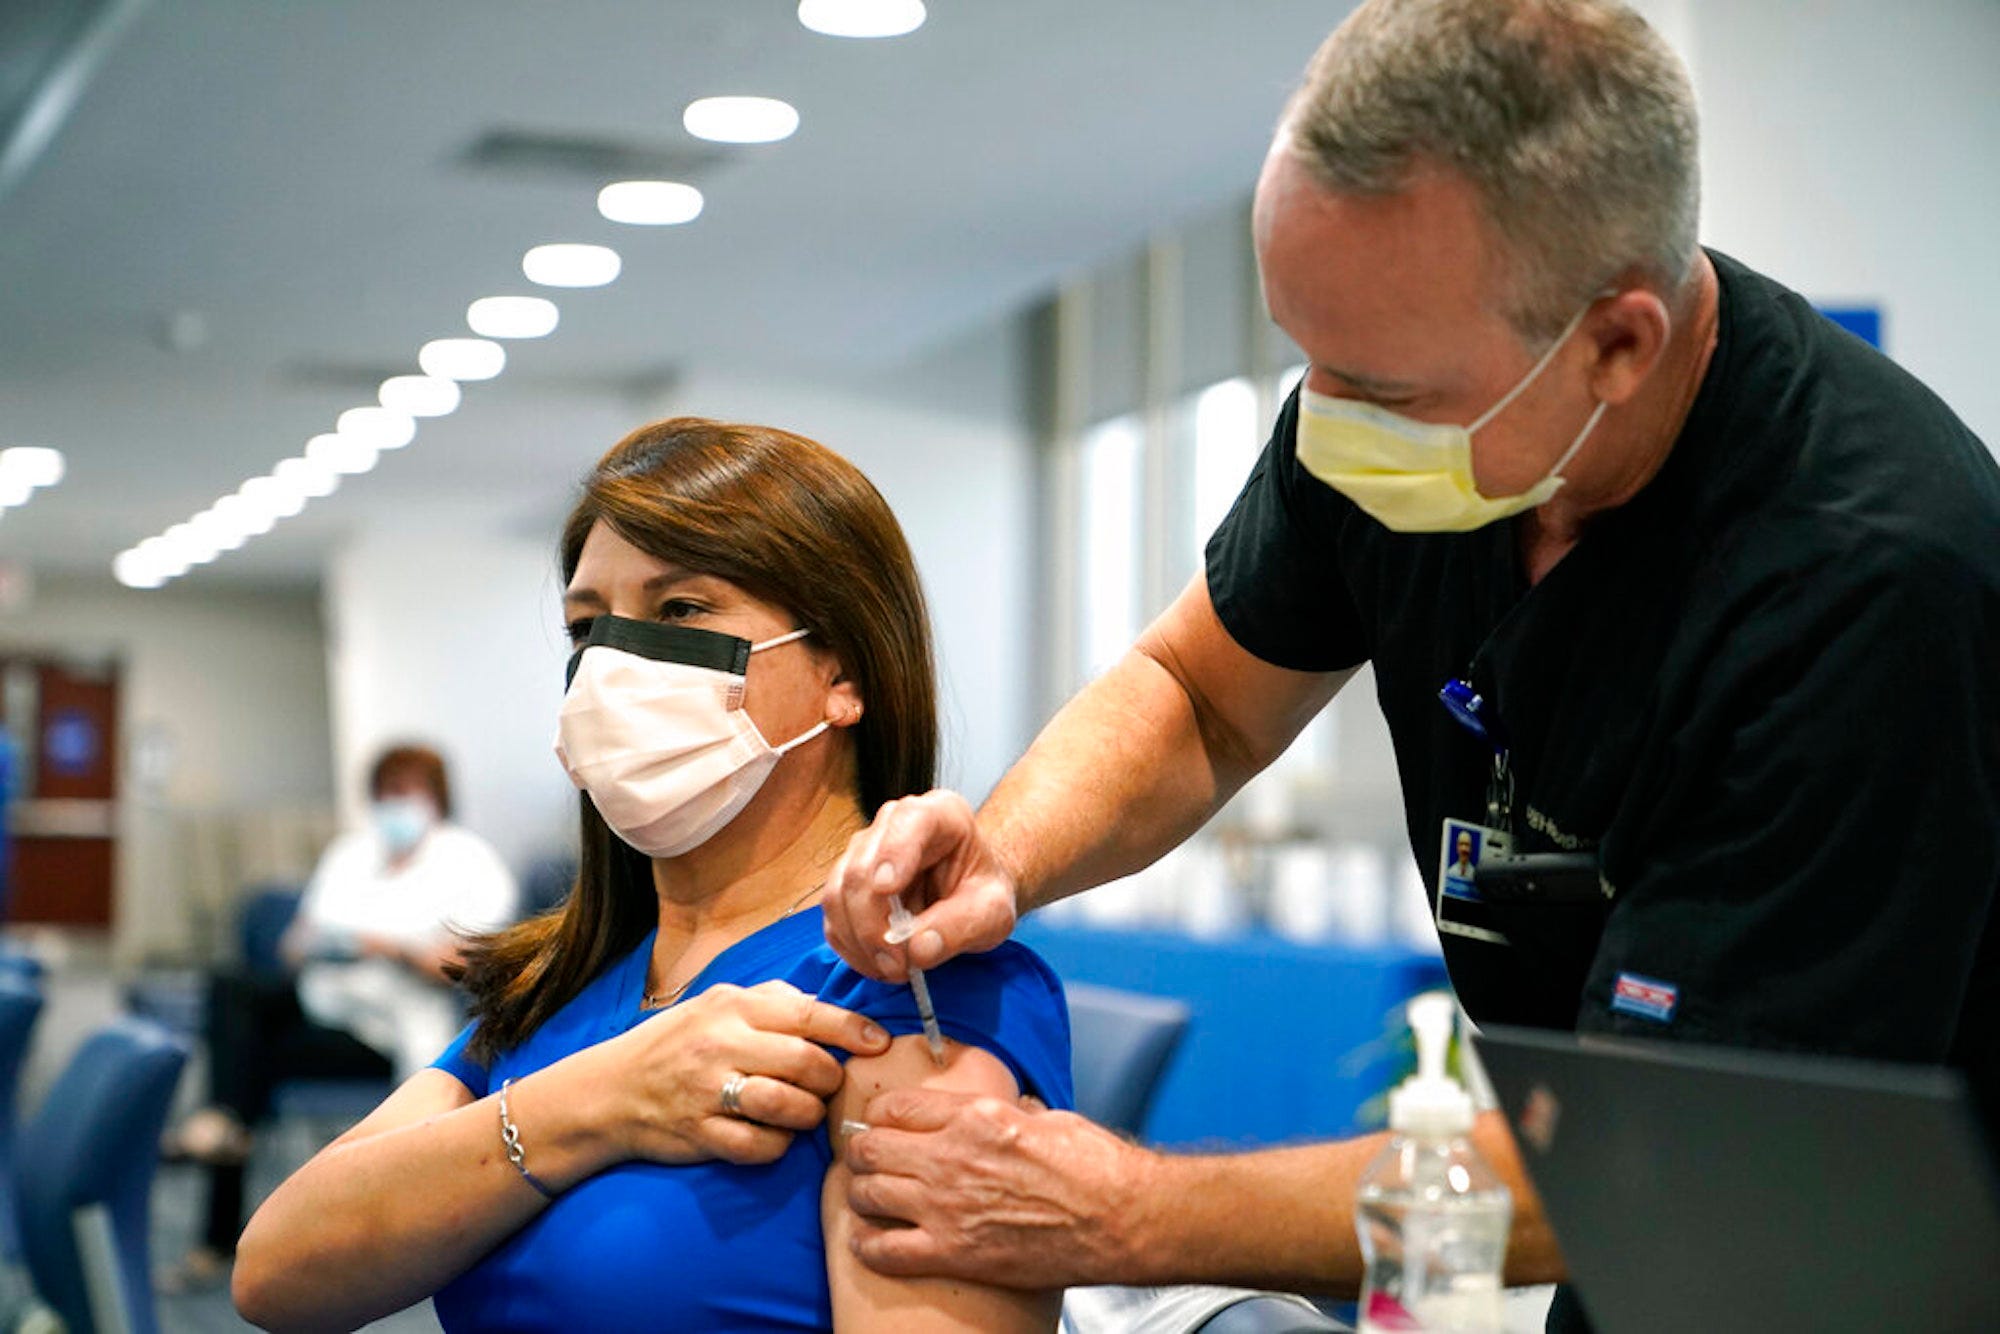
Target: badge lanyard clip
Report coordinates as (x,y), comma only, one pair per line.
(1462,700)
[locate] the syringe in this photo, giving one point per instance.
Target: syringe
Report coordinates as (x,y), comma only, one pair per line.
(899,930)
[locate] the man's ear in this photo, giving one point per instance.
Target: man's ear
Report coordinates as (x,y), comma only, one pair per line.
(1628,333)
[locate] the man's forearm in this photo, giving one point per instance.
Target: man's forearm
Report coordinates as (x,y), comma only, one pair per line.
(1284,1218)
(1117,778)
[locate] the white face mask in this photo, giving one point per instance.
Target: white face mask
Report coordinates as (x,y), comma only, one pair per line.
(653,728)
(402,822)
(1412,476)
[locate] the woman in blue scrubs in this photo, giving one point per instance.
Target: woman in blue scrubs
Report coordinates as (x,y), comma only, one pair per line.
(633,1132)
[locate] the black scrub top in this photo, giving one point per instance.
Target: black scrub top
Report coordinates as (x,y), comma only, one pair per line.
(1765,691)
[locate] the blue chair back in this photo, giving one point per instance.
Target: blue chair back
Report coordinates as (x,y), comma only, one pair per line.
(13,963)
(260,923)
(1120,1042)
(91,1149)
(20,1006)
(547,884)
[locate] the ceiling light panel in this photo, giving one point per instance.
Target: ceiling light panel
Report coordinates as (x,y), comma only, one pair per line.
(248,519)
(462,359)
(566,264)
(512,317)
(862,18)
(740,120)
(218,531)
(189,544)
(420,395)
(649,203)
(272,497)
(379,427)
(138,569)
(26,469)
(342,453)
(310,479)
(36,465)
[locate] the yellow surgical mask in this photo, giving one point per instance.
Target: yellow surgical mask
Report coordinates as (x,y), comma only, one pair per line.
(1412,476)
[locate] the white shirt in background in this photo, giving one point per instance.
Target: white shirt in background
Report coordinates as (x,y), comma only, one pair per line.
(454,881)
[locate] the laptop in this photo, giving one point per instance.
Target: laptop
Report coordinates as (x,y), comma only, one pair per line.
(1718,1189)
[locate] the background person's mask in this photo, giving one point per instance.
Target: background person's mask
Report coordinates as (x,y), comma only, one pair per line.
(1412,476)
(653,728)
(401,822)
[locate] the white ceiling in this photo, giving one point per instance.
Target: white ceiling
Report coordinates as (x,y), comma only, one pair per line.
(288,172)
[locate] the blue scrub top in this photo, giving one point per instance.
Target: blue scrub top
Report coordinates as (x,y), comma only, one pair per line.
(714,1246)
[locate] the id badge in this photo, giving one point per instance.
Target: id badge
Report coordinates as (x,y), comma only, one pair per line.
(1461,909)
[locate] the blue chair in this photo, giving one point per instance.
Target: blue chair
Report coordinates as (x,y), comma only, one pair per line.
(307,1104)
(547,884)
(20,1006)
(13,963)
(261,920)
(1120,1042)
(86,1178)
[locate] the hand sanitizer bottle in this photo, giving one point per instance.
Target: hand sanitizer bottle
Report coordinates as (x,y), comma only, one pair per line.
(1431,1215)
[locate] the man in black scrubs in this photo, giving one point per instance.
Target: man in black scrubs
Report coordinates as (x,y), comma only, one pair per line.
(1710,591)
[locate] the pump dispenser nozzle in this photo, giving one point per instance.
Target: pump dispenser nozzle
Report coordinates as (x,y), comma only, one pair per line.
(1431,1102)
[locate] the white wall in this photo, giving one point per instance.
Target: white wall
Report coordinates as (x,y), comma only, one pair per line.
(1851,149)
(225,688)
(445,629)
(961,484)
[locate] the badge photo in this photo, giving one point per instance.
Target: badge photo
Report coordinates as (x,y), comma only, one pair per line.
(1461,909)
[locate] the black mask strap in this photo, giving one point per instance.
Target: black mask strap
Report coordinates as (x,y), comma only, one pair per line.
(664,643)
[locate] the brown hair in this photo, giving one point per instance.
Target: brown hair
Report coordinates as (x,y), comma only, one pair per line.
(796,524)
(420,762)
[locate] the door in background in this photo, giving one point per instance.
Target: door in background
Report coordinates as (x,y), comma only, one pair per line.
(62,718)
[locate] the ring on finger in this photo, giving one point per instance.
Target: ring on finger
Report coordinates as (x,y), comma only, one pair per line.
(732,1094)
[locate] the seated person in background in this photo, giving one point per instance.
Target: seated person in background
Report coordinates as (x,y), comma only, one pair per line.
(388,909)
(378,926)
(633,1131)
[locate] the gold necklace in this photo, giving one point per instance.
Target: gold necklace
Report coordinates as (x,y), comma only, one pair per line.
(655,1000)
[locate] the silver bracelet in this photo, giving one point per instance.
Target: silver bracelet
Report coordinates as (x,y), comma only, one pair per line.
(510,1136)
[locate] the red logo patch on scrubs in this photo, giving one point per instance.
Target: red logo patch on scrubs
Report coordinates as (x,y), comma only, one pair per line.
(1647,997)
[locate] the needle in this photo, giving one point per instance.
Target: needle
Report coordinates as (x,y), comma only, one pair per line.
(899,926)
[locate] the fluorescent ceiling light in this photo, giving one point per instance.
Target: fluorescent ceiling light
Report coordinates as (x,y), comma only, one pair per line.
(862,18)
(189,544)
(649,203)
(34,464)
(462,359)
(344,454)
(740,120)
(272,496)
(568,264)
(14,490)
(420,395)
(160,554)
(512,316)
(378,427)
(218,531)
(307,477)
(134,570)
(246,518)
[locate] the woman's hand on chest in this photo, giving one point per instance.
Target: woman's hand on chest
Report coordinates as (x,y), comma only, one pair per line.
(732,1073)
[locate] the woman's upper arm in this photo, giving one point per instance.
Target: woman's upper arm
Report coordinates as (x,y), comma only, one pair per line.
(427,1093)
(865,1301)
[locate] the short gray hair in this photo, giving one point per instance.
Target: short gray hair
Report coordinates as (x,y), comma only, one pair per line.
(1572,120)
